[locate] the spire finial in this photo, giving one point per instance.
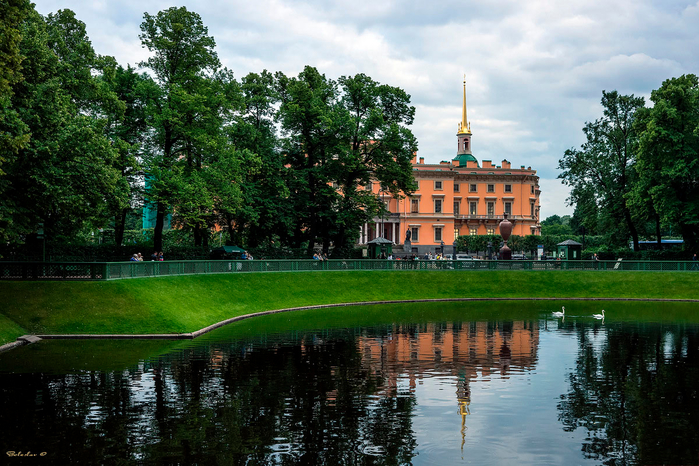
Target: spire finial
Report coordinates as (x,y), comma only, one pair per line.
(464,127)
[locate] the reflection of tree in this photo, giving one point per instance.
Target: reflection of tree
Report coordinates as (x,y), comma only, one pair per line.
(310,403)
(638,404)
(329,397)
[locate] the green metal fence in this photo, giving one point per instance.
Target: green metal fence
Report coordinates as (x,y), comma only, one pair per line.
(119,270)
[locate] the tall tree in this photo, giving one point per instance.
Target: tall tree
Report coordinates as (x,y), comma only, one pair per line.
(266,211)
(126,128)
(604,166)
(14,133)
(668,155)
(210,164)
(183,56)
(380,148)
(63,176)
(342,136)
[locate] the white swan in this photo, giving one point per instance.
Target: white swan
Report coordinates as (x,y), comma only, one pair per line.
(559,314)
(599,316)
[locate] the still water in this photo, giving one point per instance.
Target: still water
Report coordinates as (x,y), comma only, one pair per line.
(458,383)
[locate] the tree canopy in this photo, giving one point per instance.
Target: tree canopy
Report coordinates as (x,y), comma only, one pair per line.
(268,159)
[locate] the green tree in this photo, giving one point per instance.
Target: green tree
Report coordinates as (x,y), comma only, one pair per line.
(603,166)
(668,155)
(266,212)
(183,58)
(126,128)
(556,225)
(340,138)
(63,176)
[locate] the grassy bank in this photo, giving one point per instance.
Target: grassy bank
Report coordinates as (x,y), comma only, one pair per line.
(188,303)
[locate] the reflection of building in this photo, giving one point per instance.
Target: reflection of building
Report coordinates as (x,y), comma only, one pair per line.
(459,197)
(454,349)
(461,350)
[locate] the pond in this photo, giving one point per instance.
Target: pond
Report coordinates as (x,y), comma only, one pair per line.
(444,383)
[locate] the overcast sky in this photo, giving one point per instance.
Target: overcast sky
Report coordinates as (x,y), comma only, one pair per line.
(535,70)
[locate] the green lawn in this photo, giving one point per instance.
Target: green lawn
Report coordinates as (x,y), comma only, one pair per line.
(188,303)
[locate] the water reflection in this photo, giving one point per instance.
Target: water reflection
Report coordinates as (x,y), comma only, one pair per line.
(634,392)
(534,390)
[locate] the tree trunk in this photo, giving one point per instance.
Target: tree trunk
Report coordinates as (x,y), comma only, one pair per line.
(159,223)
(632,228)
(204,233)
(197,235)
(120,226)
(657,231)
(689,237)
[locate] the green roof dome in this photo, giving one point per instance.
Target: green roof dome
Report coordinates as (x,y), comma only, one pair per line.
(463,158)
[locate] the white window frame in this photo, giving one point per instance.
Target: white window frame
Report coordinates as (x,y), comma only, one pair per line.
(415,200)
(505,209)
(415,234)
(441,205)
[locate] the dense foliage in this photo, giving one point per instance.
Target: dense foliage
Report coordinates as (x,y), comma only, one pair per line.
(276,163)
(637,175)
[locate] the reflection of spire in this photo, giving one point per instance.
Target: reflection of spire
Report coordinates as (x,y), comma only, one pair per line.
(463,395)
(464,127)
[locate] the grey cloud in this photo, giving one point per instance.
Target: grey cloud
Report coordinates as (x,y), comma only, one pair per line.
(535,70)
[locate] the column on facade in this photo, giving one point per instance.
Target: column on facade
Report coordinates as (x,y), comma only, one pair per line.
(393,232)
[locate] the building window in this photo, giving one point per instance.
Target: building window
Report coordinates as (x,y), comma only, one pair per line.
(531,210)
(438,234)
(437,206)
(457,204)
(414,236)
(465,144)
(508,208)
(414,206)
(438,185)
(491,188)
(473,188)
(491,209)
(508,188)
(473,208)
(490,230)
(456,234)
(473,231)
(457,187)
(532,189)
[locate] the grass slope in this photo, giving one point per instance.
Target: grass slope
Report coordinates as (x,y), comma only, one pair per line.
(187,303)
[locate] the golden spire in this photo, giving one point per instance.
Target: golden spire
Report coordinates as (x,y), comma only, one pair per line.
(464,127)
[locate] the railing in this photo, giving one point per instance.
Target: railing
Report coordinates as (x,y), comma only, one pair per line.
(119,270)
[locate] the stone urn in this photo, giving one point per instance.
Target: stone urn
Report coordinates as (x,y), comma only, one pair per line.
(505,231)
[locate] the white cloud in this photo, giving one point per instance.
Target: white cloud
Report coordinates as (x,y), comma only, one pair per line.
(535,70)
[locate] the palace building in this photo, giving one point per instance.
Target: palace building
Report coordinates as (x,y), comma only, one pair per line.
(459,197)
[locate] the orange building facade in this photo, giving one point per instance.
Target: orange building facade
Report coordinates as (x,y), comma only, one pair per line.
(458,197)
